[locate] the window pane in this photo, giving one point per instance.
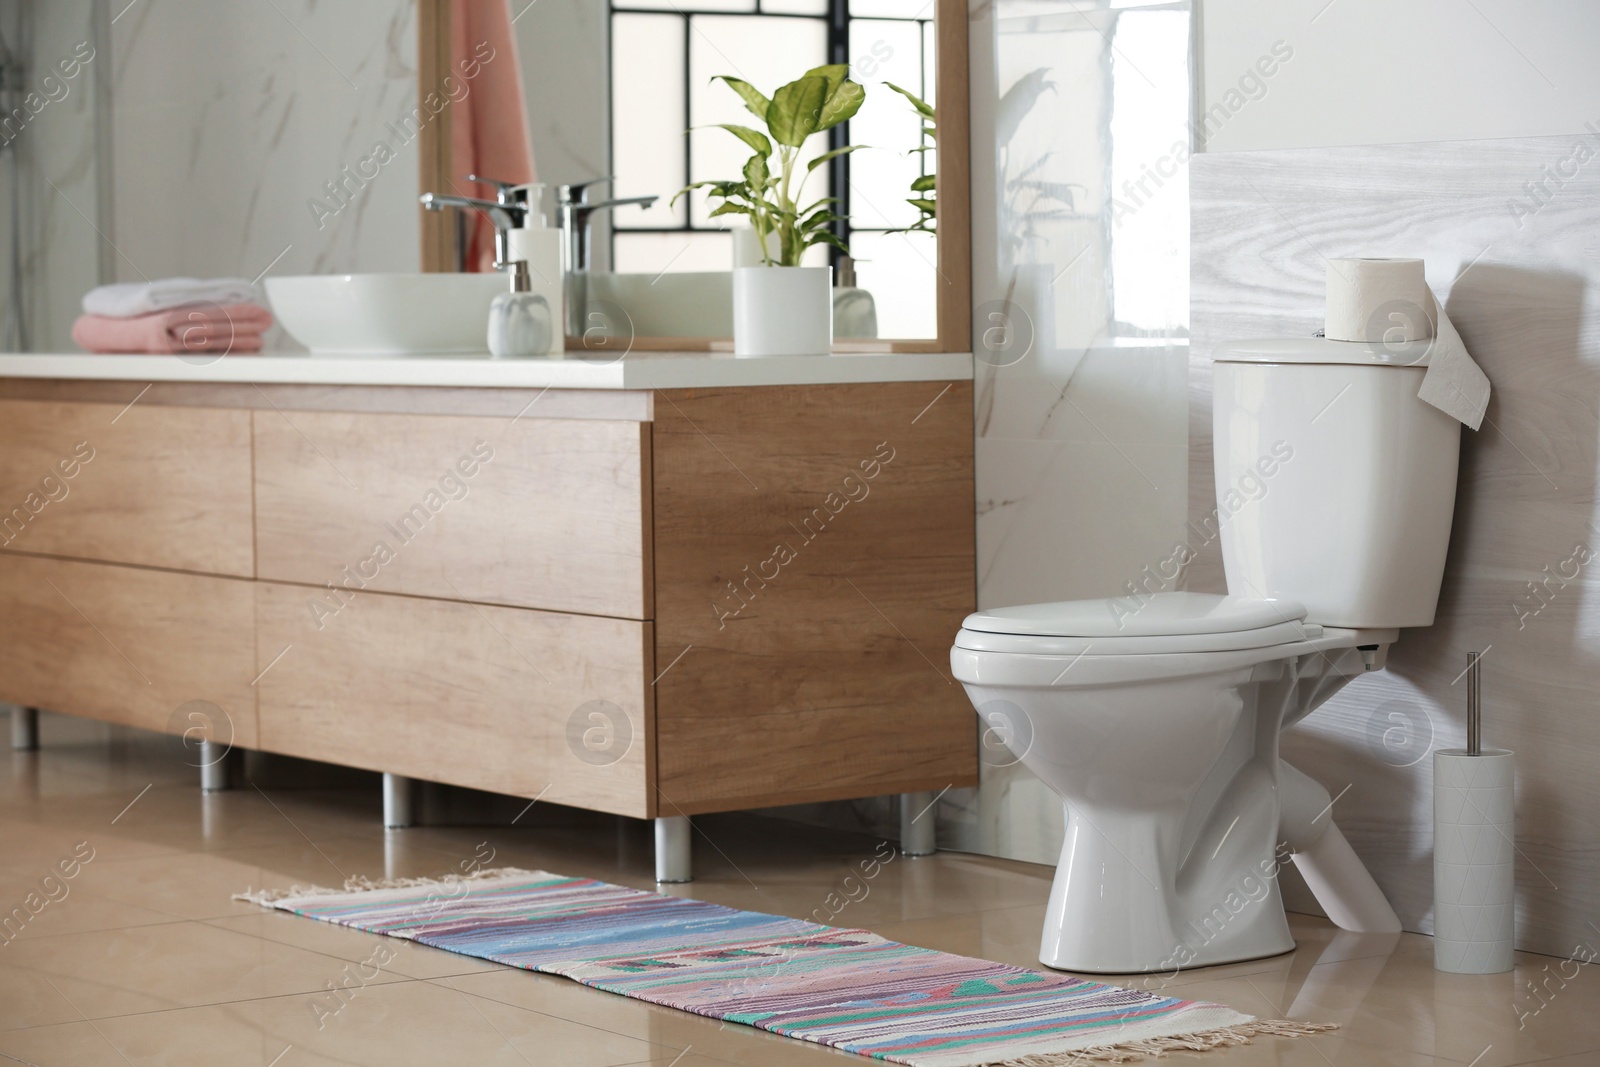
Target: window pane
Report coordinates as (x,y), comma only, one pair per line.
(671,253)
(892,9)
(647,113)
(767,52)
(898,270)
(930,60)
(689,5)
(881,176)
(795,7)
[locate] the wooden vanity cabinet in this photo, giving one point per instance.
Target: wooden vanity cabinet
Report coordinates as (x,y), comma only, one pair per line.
(646,603)
(147,485)
(129,645)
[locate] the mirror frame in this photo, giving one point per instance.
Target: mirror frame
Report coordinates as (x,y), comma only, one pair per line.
(953,261)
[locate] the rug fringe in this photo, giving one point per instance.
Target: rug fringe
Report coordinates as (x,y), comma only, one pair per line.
(1156,1047)
(362,884)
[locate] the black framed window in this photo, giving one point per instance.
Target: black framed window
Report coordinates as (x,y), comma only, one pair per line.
(663,56)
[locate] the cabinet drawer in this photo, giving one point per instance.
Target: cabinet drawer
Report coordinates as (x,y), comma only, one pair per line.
(128,645)
(529,703)
(165,487)
(531,512)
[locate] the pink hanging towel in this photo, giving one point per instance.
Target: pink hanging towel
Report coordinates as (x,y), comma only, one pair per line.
(489,125)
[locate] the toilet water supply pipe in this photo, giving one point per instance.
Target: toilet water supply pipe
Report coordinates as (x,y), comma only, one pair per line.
(1332,870)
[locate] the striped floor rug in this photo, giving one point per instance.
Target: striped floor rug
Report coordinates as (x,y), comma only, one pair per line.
(848,989)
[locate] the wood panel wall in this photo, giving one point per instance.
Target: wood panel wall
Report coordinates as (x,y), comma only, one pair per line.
(1517,265)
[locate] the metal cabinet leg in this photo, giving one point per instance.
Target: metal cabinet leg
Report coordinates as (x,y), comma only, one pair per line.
(219,766)
(918,819)
(399,801)
(24,728)
(673,852)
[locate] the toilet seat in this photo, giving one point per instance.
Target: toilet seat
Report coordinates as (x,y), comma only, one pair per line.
(1155,624)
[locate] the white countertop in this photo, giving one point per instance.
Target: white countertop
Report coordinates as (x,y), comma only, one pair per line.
(636,370)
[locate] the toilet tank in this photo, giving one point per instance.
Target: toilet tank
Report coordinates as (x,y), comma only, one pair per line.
(1335,484)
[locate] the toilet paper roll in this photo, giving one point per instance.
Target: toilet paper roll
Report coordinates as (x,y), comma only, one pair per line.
(1387,301)
(1474,909)
(1378,300)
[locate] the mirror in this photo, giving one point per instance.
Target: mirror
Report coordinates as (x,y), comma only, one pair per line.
(636,90)
(142,141)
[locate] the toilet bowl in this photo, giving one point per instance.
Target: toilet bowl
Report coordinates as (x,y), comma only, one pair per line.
(1161,738)
(1155,715)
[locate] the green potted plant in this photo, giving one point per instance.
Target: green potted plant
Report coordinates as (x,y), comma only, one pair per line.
(924,185)
(781,308)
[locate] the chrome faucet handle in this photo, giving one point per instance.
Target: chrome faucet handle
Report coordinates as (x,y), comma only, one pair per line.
(505,192)
(575,192)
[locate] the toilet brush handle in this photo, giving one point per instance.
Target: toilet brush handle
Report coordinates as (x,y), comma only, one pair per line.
(1474,707)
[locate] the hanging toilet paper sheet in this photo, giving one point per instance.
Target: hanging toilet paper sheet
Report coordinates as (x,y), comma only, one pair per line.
(1388,301)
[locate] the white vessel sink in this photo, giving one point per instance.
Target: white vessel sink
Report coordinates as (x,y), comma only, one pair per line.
(386,314)
(377,315)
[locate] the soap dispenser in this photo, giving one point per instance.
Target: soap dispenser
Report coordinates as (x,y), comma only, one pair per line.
(539,246)
(520,321)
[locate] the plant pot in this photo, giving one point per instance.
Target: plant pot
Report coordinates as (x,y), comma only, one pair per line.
(782,311)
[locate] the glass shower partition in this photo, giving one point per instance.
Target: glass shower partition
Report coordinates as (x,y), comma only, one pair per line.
(55,151)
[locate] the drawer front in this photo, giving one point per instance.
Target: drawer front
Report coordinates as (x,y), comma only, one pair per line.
(851,567)
(529,703)
(531,512)
(164,487)
(155,649)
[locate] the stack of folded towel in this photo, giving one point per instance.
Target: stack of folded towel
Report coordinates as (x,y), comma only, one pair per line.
(174,315)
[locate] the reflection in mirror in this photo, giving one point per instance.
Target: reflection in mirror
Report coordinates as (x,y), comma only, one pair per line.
(147,141)
(276,141)
(655,118)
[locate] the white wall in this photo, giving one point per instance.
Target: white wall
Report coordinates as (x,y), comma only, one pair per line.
(564,48)
(1387,71)
(228,124)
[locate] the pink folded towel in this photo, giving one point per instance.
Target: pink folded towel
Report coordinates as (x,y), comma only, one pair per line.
(195,328)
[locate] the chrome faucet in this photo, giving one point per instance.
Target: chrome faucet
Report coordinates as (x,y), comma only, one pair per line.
(508,211)
(575,208)
(505,218)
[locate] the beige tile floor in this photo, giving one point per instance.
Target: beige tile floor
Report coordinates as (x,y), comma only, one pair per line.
(147,961)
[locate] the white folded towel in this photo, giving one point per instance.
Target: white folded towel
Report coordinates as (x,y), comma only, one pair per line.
(142,298)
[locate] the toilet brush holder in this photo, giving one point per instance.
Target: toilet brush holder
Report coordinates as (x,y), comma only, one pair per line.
(1474,859)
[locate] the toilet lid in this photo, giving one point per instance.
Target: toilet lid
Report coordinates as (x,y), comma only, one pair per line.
(1156,623)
